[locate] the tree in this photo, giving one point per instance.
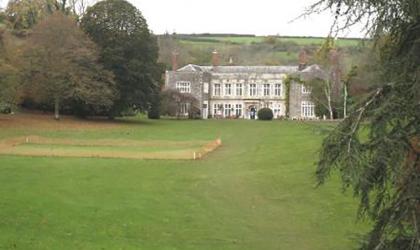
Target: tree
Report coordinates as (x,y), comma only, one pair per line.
(382,165)
(10,87)
(62,66)
(326,90)
(128,49)
(154,109)
(24,14)
(175,103)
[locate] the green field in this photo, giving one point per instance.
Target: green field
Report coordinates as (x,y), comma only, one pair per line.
(259,39)
(252,50)
(257,191)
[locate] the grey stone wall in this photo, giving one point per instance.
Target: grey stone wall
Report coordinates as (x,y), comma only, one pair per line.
(195,78)
(295,99)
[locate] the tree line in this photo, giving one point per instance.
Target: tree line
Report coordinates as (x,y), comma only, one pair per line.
(67,57)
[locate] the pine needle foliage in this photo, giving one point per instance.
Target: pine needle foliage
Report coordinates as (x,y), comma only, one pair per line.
(376,150)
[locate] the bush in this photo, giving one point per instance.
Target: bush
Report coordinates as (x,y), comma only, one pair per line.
(265,114)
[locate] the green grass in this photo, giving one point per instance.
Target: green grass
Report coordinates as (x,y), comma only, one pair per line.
(255,192)
(259,39)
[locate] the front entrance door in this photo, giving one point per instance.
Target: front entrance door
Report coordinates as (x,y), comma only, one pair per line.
(252,112)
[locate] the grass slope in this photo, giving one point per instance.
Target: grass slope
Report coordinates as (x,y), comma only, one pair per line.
(259,39)
(251,50)
(255,192)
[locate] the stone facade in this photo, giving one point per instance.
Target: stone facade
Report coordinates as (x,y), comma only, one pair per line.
(239,91)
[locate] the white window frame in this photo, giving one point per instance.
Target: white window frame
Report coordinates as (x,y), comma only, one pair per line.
(184,109)
(252,89)
(228,89)
(277,110)
(228,110)
(217,89)
(238,110)
(239,89)
(217,109)
(183,86)
(307,109)
(266,89)
(278,89)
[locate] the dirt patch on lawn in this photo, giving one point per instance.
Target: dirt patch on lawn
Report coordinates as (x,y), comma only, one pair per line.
(127,149)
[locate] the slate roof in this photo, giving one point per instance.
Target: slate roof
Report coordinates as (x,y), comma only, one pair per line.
(239,69)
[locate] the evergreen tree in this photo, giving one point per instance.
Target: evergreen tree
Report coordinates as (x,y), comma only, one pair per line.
(382,164)
(128,49)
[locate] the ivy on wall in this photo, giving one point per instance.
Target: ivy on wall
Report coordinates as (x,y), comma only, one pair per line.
(287,83)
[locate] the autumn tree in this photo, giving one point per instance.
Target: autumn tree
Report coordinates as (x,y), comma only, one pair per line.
(24,14)
(10,75)
(382,164)
(63,66)
(128,49)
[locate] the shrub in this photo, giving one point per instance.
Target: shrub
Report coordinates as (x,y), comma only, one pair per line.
(265,114)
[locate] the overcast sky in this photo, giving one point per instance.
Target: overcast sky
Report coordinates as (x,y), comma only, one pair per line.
(260,17)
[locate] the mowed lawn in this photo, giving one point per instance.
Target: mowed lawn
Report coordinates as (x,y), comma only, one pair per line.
(257,191)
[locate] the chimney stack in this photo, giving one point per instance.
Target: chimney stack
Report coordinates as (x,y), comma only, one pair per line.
(215,59)
(175,60)
(303,59)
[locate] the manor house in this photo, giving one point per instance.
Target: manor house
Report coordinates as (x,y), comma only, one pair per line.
(240,91)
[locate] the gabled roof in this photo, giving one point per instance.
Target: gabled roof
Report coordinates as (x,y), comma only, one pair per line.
(309,72)
(190,68)
(312,72)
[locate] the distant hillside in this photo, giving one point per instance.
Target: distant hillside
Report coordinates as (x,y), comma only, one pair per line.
(248,49)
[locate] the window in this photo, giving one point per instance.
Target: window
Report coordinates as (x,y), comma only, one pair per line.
(277,89)
(228,110)
(252,89)
(217,109)
(184,108)
(206,88)
(217,88)
(183,86)
(239,89)
(306,89)
(238,110)
(228,89)
(277,111)
(308,109)
(266,89)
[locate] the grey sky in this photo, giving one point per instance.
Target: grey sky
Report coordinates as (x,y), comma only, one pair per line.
(260,17)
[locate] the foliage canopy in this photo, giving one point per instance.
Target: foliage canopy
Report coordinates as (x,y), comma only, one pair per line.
(376,149)
(128,49)
(62,66)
